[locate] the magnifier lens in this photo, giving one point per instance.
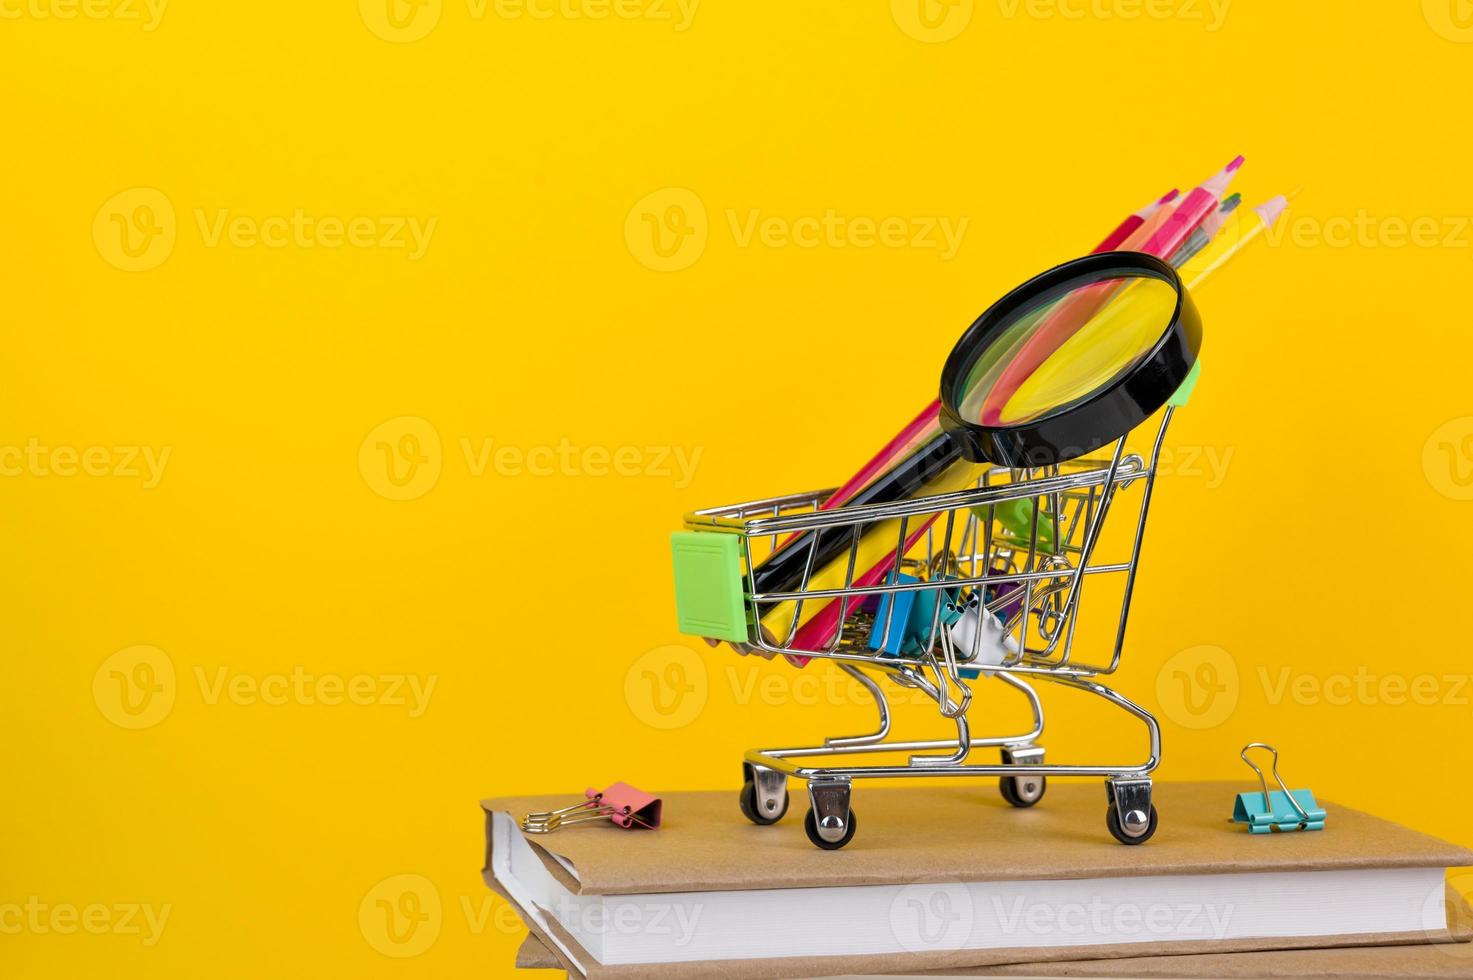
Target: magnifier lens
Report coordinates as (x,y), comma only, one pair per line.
(1070,360)
(1065,345)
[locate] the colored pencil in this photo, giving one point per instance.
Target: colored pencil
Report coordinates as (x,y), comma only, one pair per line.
(1127,227)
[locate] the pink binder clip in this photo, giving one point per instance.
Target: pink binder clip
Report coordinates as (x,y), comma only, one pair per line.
(625,805)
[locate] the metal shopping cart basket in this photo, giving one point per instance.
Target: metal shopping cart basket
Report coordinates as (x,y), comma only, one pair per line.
(1019,588)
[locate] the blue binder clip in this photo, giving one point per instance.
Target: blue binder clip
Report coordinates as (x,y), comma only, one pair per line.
(1283,809)
(910,627)
(891,640)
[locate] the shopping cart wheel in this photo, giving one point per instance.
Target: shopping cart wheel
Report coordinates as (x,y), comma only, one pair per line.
(1022,791)
(754,811)
(810,827)
(1142,832)
(830,820)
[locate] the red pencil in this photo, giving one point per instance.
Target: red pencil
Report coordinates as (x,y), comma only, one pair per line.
(1130,224)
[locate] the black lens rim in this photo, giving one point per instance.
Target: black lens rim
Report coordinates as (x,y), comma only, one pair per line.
(1100,418)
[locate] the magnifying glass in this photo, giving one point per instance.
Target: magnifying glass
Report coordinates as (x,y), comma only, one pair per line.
(1064,364)
(1070,361)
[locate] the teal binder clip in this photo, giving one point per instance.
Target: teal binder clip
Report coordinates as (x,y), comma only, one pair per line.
(1283,809)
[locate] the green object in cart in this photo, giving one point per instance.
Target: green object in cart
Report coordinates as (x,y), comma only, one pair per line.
(708,585)
(1184,393)
(1016,517)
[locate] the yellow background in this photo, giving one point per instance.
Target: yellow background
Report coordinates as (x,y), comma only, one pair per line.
(1335,540)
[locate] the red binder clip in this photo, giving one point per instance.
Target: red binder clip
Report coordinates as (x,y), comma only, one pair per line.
(623,804)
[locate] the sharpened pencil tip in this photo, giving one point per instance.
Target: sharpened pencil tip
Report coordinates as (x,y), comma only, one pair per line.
(1271,210)
(1233,167)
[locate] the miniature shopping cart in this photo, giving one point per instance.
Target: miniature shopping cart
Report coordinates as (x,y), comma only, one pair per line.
(975,597)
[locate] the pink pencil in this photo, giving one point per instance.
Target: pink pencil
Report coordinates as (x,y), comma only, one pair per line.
(1073,312)
(1146,221)
(1200,203)
(1130,224)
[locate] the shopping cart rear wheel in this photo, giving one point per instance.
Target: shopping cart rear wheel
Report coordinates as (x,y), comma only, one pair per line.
(810,827)
(1112,820)
(748,802)
(1022,791)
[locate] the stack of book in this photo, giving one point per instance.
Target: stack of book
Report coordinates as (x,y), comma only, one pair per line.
(951,881)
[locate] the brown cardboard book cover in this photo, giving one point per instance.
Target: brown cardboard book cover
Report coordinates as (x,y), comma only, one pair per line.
(970,835)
